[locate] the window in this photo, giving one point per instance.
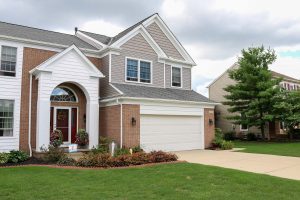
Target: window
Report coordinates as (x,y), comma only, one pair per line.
(6,117)
(243,126)
(138,71)
(176,76)
(132,70)
(63,94)
(8,61)
(145,72)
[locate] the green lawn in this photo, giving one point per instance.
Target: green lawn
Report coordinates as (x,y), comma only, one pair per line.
(274,148)
(169,181)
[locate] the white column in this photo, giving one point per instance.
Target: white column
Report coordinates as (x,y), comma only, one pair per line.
(92,123)
(43,124)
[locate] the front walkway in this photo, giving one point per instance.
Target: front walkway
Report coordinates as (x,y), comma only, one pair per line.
(281,166)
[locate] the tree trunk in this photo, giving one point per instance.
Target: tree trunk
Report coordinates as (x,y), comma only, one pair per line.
(262,130)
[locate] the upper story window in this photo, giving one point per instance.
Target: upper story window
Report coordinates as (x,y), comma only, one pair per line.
(8,61)
(6,117)
(63,94)
(138,70)
(176,77)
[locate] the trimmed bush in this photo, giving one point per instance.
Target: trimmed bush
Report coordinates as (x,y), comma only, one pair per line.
(123,151)
(82,137)
(137,149)
(54,154)
(17,156)
(66,161)
(229,136)
(4,158)
(226,145)
(160,156)
(251,137)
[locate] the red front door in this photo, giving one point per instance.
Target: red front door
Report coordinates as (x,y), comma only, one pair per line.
(62,122)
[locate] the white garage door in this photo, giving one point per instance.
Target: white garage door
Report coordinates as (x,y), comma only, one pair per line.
(170,133)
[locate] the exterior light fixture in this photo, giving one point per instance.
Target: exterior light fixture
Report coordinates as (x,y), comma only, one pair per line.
(133,121)
(210,122)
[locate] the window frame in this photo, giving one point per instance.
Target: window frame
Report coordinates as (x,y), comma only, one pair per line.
(75,95)
(139,70)
(181,83)
(16,67)
(13,118)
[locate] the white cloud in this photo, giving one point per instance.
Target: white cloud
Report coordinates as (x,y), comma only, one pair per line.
(102,27)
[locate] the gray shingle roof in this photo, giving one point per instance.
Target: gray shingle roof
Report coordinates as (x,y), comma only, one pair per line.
(25,32)
(101,38)
(110,40)
(160,93)
(285,77)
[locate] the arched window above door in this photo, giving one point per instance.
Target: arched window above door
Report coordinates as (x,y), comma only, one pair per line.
(63,94)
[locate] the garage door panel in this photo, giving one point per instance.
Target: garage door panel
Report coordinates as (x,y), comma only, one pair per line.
(170,133)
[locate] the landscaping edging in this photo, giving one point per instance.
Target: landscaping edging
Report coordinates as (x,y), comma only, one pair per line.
(93,168)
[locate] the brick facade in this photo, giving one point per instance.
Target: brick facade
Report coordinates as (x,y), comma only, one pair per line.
(209,129)
(131,131)
(109,122)
(31,58)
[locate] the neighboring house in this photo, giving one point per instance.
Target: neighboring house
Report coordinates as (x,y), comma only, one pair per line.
(216,93)
(134,88)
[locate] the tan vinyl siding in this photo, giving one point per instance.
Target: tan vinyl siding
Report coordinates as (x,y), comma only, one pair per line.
(162,40)
(186,77)
(137,47)
(105,89)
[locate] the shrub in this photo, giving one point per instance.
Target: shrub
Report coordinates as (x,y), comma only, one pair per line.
(160,156)
(95,160)
(122,151)
(56,138)
(54,154)
(4,158)
(251,137)
(17,156)
(82,137)
(226,145)
(66,161)
(229,136)
(103,146)
(137,149)
(218,138)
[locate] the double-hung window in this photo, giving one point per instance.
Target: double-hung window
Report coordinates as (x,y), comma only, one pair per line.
(6,117)
(176,77)
(8,61)
(138,71)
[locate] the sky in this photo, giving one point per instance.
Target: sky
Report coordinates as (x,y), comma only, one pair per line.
(213,31)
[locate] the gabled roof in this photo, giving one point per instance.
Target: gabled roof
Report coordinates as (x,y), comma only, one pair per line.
(284,77)
(128,90)
(101,38)
(44,66)
(35,34)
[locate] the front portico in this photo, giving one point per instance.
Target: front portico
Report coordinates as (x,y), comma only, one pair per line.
(70,67)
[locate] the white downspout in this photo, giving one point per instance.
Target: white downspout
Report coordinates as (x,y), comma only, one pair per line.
(121,123)
(29,116)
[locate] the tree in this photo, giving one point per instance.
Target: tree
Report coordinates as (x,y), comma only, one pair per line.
(287,109)
(251,99)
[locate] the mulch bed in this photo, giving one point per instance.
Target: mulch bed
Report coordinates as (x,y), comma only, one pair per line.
(39,163)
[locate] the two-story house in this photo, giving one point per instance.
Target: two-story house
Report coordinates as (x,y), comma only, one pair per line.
(216,93)
(134,88)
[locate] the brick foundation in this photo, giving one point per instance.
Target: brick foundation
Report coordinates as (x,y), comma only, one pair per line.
(209,130)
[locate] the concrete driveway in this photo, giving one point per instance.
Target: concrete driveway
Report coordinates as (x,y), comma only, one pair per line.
(281,166)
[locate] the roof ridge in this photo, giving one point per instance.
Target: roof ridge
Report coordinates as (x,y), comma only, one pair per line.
(94,33)
(35,28)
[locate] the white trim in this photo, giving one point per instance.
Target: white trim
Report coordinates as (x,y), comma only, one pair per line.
(109,67)
(181,83)
(77,100)
(164,74)
(95,43)
(119,91)
(243,130)
(162,25)
(29,115)
(139,75)
(140,29)
(43,66)
(16,67)
(112,101)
